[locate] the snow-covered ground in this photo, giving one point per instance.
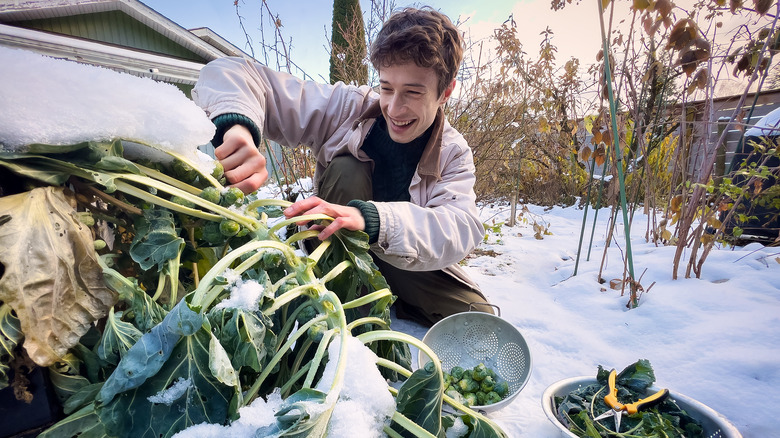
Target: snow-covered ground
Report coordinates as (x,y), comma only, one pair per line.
(715,339)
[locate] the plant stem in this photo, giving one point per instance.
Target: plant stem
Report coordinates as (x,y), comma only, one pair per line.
(368,298)
(296,219)
(197,200)
(155,174)
(301,235)
(338,269)
(411,426)
(369,320)
(315,362)
(269,203)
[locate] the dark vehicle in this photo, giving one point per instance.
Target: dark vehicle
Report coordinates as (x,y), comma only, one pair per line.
(761,205)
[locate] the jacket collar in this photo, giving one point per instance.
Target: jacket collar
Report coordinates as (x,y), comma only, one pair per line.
(429,162)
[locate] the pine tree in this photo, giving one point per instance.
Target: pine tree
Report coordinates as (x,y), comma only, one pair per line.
(348,44)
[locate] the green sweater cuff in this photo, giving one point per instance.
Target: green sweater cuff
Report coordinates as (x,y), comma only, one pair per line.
(370,216)
(223,122)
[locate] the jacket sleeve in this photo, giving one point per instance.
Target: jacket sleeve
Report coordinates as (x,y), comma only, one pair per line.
(441,232)
(285,108)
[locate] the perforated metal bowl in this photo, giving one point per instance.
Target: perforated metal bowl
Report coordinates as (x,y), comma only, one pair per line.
(714,424)
(470,338)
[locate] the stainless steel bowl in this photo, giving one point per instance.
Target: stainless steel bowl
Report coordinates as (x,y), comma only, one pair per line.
(714,424)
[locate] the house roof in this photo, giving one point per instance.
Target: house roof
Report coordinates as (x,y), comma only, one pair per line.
(203,43)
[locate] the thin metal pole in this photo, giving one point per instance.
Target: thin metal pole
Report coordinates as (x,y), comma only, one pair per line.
(618,155)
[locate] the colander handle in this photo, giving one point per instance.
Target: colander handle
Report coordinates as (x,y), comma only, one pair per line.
(474,304)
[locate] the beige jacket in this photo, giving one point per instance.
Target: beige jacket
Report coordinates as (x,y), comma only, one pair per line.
(440,225)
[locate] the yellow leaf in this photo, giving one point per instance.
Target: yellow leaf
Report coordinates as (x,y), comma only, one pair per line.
(706,239)
(666,235)
(777,259)
(714,222)
(641,5)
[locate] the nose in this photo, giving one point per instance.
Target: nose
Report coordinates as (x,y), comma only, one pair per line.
(396,103)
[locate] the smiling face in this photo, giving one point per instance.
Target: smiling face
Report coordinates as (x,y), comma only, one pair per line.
(409,100)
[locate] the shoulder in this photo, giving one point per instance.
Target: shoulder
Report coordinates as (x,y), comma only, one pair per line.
(452,139)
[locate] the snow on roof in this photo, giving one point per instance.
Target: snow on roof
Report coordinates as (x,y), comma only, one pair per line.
(52,101)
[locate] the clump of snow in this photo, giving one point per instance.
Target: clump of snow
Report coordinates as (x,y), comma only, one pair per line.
(365,403)
(244,294)
(260,413)
(60,102)
(169,395)
(458,430)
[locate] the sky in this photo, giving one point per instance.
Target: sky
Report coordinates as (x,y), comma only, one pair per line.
(576,27)
(715,339)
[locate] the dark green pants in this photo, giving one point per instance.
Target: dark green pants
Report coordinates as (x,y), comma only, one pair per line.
(423,296)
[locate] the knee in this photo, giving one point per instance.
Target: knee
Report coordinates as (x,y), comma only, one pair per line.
(344,179)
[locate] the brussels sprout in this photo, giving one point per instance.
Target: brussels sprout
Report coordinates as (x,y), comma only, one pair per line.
(471,399)
(229,228)
(184,171)
(481,398)
(467,385)
(316,331)
(479,372)
(232,196)
(211,194)
(219,170)
(487,384)
(456,373)
(99,244)
(501,388)
(492,397)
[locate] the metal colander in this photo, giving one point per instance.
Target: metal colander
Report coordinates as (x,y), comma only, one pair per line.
(470,338)
(714,424)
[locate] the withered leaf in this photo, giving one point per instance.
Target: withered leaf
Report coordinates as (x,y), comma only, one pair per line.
(52,278)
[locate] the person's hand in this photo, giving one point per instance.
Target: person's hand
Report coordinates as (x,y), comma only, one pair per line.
(244,164)
(343,217)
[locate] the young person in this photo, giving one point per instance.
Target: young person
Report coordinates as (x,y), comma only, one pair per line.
(388,163)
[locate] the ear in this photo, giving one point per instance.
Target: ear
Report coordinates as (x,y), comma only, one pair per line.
(447,93)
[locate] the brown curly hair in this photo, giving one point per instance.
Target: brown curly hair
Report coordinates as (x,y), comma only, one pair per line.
(423,36)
